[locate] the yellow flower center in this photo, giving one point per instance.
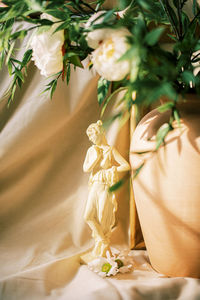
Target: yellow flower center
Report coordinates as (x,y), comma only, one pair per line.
(106,267)
(109,47)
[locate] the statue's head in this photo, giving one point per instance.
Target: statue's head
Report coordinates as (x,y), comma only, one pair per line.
(96,132)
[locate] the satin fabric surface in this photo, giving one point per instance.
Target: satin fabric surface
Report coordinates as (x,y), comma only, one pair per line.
(43,193)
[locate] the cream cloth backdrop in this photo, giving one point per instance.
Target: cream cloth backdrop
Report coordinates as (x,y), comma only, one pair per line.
(43,192)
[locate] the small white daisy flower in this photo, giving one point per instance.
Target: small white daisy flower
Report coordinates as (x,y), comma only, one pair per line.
(110,265)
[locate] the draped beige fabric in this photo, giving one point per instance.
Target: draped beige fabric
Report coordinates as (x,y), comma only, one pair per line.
(43,192)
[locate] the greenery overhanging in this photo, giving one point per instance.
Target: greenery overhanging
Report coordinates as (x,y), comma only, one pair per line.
(160,72)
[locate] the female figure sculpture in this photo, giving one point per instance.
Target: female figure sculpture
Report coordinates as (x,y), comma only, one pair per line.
(104,162)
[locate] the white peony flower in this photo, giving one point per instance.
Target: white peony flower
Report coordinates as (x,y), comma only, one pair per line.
(47,49)
(110,45)
(95,37)
(105,57)
(110,265)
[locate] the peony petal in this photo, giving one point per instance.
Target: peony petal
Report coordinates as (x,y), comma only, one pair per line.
(47,49)
(105,57)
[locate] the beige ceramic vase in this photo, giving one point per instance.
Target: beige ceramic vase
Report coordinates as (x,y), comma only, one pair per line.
(167,191)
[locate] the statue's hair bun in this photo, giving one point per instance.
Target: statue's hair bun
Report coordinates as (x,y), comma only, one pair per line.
(98,127)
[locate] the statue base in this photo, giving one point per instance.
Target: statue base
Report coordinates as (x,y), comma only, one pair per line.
(87,257)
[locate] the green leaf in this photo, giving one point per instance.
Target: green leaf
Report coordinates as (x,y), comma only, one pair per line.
(50,83)
(99,3)
(44,28)
(19,74)
(47,89)
(161,134)
(155,91)
(108,15)
(119,183)
(123,4)
(183,3)
(53,88)
(69,54)
(12,94)
(62,15)
(172,37)
(110,97)
(17,61)
(27,57)
(116,186)
(75,60)
(140,30)
(188,77)
(137,171)
(144,4)
(2,58)
(167,90)
(185,21)
(9,68)
(19,81)
(29,20)
(177,117)
(25,71)
(9,23)
(194,7)
(129,54)
(153,36)
(19,34)
(64,25)
(68,73)
(111,119)
(15,9)
(166,106)
(102,89)
(172,14)
(45,22)
(10,52)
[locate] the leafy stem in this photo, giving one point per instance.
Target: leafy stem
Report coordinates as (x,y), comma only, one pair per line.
(194,19)
(52,85)
(39,25)
(165,7)
(180,19)
(87,5)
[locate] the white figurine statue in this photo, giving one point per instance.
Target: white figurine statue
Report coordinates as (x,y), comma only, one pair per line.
(104,162)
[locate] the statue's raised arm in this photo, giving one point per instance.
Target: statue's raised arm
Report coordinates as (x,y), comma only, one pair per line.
(91,159)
